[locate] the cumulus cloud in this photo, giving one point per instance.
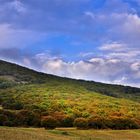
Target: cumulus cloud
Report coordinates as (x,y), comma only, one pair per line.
(108,70)
(128,31)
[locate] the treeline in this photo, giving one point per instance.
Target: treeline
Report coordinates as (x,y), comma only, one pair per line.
(35,118)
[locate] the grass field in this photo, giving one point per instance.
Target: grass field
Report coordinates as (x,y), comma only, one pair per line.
(66,134)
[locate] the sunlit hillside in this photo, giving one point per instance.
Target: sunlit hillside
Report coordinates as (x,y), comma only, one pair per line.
(28,93)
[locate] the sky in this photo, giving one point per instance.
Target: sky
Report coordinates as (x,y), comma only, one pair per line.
(95,40)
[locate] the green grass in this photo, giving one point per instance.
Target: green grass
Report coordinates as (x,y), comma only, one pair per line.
(66,134)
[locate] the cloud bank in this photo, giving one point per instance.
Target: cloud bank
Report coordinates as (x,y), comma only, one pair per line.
(104,69)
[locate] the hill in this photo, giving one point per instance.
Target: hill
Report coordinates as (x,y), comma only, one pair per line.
(26,96)
(15,74)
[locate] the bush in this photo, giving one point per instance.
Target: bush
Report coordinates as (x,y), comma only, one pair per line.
(64,120)
(12,104)
(97,123)
(49,122)
(9,123)
(22,118)
(123,123)
(3,119)
(67,121)
(81,123)
(17,106)
(28,118)
(7,118)
(114,123)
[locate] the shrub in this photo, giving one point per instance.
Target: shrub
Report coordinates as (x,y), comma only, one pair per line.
(67,121)
(123,123)
(45,113)
(12,104)
(81,123)
(113,123)
(27,118)
(11,116)
(17,106)
(37,111)
(49,122)
(9,123)
(97,123)
(64,120)
(3,119)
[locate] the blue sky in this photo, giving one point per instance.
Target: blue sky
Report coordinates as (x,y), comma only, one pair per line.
(85,39)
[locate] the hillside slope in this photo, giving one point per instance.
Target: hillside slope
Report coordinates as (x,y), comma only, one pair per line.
(13,74)
(24,89)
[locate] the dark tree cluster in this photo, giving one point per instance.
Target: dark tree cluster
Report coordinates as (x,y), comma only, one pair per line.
(27,118)
(20,118)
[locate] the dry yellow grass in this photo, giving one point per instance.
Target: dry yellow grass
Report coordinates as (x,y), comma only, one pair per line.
(66,134)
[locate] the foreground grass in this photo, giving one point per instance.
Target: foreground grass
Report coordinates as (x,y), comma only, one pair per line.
(66,134)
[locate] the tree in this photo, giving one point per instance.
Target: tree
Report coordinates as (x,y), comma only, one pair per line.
(97,123)
(64,120)
(124,123)
(81,123)
(49,122)
(3,119)
(28,118)
(67,121)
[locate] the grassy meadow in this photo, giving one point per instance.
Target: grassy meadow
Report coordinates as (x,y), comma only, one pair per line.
(66,134)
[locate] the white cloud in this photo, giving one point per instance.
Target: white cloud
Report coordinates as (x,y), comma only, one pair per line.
(128,29)
(135,66)
(86,54)
(108,70)
(12,38)
(116,27)
(116,47)
(126,55)
(136,69)
(90,14)
(121,51)
(122,80)
(13,6)
(18,6)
